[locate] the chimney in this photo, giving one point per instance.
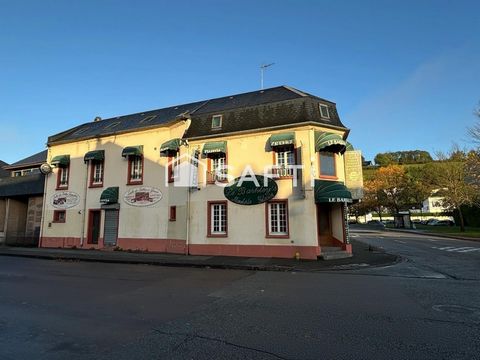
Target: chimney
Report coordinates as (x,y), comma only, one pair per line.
(97,118)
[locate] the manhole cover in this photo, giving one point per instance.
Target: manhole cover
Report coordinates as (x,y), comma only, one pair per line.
(457,309)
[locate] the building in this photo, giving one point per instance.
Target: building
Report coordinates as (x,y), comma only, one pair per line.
(21,201)
(156,180)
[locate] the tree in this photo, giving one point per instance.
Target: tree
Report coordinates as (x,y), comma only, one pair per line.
(451,178)
(403,157)
(474,131)
(390,183)
(418,187)
(370,201)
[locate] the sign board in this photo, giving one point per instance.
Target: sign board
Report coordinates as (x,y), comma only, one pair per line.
(142,196)
(65,199)
(251,191)
(354,173)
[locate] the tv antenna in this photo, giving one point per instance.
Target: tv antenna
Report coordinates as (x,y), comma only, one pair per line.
(262,70)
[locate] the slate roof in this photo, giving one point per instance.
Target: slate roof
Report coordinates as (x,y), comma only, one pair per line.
(3,173)
(278,106)
(22,185)
(36,159)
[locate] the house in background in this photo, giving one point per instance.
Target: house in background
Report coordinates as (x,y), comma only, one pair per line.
(21,201)
(3,172)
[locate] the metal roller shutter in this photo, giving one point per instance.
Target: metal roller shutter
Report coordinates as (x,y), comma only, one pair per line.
(111,227)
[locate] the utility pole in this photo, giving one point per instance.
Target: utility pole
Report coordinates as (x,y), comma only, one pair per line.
(262,69)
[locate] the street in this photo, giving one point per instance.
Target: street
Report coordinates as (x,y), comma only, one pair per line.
(426,306)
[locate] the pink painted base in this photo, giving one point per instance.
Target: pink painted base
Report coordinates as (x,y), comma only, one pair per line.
(270,251)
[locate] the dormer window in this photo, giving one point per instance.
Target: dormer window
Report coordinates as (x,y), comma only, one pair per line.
(324,113)
(217,121)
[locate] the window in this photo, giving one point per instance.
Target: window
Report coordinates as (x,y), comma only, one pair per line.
(17,173)
(216,121)
(217,219)
(135,169)
(284,158)
(327,165)
(62,177)
(277,219)
(96,173)
(59,216)
(324,113)
(217,167)
(173,213)
(173,162)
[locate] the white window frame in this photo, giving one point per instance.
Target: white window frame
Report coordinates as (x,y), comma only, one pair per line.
(323,106)
(278,222)
(97,167)
(214,117)
(218,219)
(136,169)
(64,174)
(284,160)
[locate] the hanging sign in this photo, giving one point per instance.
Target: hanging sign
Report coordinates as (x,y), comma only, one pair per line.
(142,196)
(65,199)
(251,190)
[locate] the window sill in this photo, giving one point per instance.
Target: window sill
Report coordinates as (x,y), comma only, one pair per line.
(95,186)
(217,235)
(61,188)
(135,182)
(278,236)
(328,177)
(58,222)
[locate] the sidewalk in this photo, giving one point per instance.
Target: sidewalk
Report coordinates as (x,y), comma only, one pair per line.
(363,256)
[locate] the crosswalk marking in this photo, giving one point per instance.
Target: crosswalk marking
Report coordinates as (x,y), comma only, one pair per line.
(464,249)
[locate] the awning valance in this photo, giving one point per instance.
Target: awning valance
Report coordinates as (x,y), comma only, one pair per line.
(133,150)
(170,145)
(287,138)
(331,192)
(61,160)
(329,142)
(109,195)
(349,147)
(214,147)
(94,155)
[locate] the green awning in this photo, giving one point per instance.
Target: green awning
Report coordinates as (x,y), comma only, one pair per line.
(132,150)
(287,138)
(170,145)
(109,195)
(214,147)
(61,160)
(94,155)
(349,147)
(329,142)
(331,192)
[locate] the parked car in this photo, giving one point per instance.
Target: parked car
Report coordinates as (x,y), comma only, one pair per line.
(444,223)
(376,223)
(431,221)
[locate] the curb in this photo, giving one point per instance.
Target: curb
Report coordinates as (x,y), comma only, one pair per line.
(192,264)
(434,235)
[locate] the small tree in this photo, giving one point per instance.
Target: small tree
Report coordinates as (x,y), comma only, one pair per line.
(450,177)
(390,183)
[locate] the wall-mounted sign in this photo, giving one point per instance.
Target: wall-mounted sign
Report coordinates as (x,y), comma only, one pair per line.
(65,199)
(353,173)
(250,190)
(142,196)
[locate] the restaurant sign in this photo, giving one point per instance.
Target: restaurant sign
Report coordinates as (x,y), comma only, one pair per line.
(251,190)
(143,196)
(65,199)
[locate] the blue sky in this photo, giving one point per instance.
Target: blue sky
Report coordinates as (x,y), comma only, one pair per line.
(404,74)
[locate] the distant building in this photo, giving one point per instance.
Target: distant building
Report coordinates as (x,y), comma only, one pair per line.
(434,204)
(21,201)
(3,172)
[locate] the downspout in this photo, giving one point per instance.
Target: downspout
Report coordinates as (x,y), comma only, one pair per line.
(187,242)
(44,205)
(84,214)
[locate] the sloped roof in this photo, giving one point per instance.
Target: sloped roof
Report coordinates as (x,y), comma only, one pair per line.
(22,185)
(3,172)
(276,106)
(36,159)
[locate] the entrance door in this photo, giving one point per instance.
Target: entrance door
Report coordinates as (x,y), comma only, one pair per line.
(324,225)
(94,226)
(110,230)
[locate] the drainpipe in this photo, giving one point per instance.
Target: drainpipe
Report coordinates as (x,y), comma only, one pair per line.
(84,202)
(187,242)
(44,207)
(5,225)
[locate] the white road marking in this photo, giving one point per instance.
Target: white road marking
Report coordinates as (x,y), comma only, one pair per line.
(469,250)
(446,247)
(401,242)
(461,248)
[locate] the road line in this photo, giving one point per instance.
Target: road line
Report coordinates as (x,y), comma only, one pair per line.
(460,248)
(446,247)
(470,250)
(401,242)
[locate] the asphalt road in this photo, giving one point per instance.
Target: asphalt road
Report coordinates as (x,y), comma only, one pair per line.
(425,307)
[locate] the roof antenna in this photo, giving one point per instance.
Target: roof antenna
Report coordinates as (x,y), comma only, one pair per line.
(262,69)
